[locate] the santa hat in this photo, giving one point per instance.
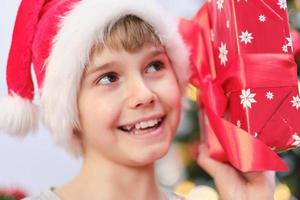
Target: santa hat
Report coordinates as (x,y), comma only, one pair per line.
(56,36)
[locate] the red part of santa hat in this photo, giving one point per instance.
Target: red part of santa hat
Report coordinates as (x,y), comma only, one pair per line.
(57,36)
(19,115)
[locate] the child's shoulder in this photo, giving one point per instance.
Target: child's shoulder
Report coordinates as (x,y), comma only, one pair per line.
(46,195)
(49,195)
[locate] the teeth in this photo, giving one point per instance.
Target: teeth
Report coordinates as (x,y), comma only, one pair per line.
(128,127)
(137,126)
(146,124)
(152,123)
(141,125)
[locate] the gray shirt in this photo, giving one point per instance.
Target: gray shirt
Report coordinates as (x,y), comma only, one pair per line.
(50,195)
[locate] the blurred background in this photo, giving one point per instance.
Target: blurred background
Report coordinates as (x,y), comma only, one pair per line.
(33,164)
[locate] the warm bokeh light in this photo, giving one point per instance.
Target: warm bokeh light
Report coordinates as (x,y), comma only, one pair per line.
(203,192)
(184,188)
(282,192)
(191,92)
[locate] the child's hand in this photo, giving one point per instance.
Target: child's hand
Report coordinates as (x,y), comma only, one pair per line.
(234,185)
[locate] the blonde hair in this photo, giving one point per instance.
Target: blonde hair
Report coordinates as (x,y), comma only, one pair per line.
(129,33)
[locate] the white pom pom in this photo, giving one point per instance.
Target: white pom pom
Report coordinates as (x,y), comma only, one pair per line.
(18,116)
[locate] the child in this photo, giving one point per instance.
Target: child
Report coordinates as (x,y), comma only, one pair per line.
(111,76)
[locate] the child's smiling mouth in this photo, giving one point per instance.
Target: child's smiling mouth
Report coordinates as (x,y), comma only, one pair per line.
(144,126)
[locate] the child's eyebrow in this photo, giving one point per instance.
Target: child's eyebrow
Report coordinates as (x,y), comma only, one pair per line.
(157,52)
(102,67)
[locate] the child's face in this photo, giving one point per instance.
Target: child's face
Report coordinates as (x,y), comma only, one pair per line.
(122,92)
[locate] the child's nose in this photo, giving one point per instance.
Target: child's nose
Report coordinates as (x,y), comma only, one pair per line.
(140,95)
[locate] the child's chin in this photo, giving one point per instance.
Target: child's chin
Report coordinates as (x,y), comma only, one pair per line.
(149,157)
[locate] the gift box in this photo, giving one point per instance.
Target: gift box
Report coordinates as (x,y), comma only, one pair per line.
(242,61)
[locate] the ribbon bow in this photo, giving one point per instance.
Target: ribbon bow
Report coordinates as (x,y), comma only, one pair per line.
(219,92)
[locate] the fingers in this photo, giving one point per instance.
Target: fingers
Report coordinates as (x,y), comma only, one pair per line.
(233,184)
(266,176)
(211,166)
(249,176)
(215,168)
(270,175)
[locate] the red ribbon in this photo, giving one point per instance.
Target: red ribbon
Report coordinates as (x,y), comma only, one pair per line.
(251,71)
(227,141)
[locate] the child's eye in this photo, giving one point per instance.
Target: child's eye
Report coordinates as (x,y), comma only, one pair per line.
(108,78)
(154,66)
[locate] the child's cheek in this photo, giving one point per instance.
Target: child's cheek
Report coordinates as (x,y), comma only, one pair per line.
(171,97)
(170,90)
(110,109)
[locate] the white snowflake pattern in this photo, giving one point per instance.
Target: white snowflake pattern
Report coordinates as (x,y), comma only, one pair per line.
(270,95)
(246,37)
(289,41)
(296,140)
(247,98)
(296,102)
(223,53)
(288,44)
(262,18)
(220,4)
(238,123)
(282,4)
(284,48)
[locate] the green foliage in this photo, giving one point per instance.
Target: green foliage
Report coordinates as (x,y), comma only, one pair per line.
(7,198)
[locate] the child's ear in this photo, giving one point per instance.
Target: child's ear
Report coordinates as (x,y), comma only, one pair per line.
(77,133)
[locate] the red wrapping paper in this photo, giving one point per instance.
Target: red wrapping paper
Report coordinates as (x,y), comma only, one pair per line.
(242,62)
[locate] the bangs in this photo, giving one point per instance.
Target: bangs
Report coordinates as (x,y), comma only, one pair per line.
(129,33)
